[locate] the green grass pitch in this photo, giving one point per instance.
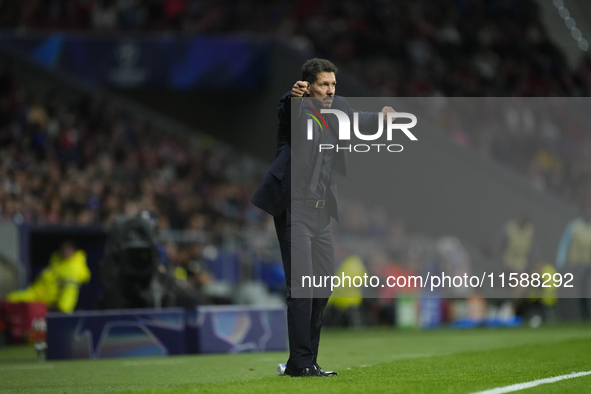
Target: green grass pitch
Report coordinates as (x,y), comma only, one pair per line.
(368,361)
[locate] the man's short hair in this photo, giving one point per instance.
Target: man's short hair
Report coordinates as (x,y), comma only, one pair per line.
(311,68)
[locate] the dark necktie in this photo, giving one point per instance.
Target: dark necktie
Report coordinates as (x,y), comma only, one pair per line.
(316,173)
(317,165)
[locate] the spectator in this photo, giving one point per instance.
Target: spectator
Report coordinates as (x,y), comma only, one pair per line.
(517,245)
(574,253)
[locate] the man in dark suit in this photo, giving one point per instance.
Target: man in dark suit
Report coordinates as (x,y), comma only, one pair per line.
(300,192)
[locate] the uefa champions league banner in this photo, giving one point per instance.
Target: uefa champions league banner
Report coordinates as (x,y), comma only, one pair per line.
(236,329)
(134,62)
(118,333)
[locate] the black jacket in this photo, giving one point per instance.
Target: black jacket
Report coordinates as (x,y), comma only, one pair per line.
(274,193)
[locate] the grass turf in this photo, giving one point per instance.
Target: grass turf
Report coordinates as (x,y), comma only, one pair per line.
(368,361)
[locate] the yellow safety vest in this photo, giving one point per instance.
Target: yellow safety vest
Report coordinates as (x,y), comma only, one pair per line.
(519,243)
(346,296)
(579,252)
(58,284)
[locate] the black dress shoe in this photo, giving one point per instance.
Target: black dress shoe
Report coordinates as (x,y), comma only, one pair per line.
(323,372)
(303,372)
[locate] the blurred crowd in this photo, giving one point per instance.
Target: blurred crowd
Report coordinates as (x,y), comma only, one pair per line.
(421,48)
(418,48)
(85,161)
(89,162)
(543,139)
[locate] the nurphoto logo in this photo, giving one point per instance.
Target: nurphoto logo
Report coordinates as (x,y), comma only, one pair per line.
(345,130)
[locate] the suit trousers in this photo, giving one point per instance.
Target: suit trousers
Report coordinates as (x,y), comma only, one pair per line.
(305,239)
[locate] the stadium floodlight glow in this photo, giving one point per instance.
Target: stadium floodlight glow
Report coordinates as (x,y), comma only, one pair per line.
(576,33)
(571,25)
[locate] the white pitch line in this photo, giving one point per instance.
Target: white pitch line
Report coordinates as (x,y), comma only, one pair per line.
(533,383)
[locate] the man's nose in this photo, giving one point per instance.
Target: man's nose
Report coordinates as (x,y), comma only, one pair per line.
(330,92)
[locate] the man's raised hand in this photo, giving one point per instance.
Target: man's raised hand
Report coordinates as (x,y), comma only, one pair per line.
(299,88)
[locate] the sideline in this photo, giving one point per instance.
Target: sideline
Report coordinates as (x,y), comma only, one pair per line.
(533,383)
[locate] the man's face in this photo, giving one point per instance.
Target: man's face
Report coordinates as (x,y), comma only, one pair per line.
(323,89)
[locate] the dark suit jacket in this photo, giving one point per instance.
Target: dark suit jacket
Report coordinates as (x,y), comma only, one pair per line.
(274,193)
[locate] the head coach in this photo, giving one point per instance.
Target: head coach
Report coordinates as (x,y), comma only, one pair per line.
(300,192)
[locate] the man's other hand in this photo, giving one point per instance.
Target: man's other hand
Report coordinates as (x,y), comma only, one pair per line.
(299,88)
(387,110)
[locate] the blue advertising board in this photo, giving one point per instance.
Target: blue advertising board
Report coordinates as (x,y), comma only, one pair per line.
(236,329)
(162,61)
(169,331)
(117,333)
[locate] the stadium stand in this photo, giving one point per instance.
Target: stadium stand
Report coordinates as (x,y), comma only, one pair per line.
(86,164)
(423,48)
(89,162)
(420,48)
